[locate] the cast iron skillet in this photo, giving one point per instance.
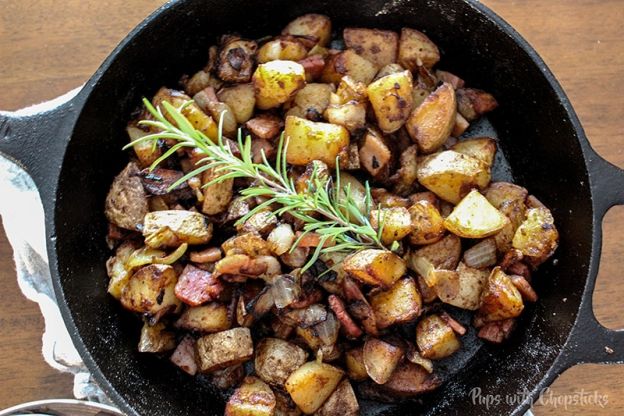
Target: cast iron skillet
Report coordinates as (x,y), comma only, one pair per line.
(74,151)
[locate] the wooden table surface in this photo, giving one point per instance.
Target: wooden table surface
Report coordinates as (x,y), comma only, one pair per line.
(48,47)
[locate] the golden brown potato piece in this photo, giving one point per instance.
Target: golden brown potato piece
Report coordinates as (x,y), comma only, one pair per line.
(241,99)
(348,63)
(308,141)
(155,338)
(116,269)
(126,202)
(475,217)
(537,237)
(144,151)
(315,25)
(249,243)
(444,254)
(285,48)
(375,267)
(277,82)
(209,318)
(473,103)
(150,290)
(397,223)
(311,384)
(200,120)
(430,123)
(410,380)
(375,154)
(351,115)
(276,360)
(252,398)
(416,49)
(378,46)
(471,284)
(311,101)
(435,338)
(236,59)
(217,196)
(187,226)
(350,90)
(342,402)
(500,299)
(380,359)
(427,223)
(224,349)
(399,304)
(391,99)
(354,360)
(480,148)
(451,175)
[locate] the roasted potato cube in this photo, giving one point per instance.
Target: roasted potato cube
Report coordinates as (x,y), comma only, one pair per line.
(315,25)
(499,193)
(198,119)
(209,318)
(471,284)
(475,217)
(391,99)
(241,99)
(285,405)
(200,80)
(399,304)
(375,267)
(480,148)
(207,100)
(236,59)
(285,49)
(311,101)
(116,269)
(228,377)
(155,338)
(217,196)
(277,82)
(341,402)
(354,360)
(451,175)
(537,237)
(410,380)
(276,360)
(351,115)
(308,141)
(375,154)
(262,222)
(249,243)
(378,46)
(252,398)
(444,254)
(126,202)
(187,226)
(397,223)
(348,63)
(473,103)
(430,123)
(416,49)
(427,223)
(224,349)
(311,384)
(380,359)
(500,299)
(435,338)
(185,355)
(145,151)
(150,290)
(350,90)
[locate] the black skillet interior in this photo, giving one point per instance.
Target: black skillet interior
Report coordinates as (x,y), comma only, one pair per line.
(536,136)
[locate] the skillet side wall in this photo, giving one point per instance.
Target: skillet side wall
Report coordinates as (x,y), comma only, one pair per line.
(536,134)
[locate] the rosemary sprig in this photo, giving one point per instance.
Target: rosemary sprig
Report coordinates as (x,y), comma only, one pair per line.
(326,208)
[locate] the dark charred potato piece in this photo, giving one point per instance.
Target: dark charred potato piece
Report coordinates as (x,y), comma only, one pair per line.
(378,46)
(210,318)
(252,398)
(399,304)
(310,25)
(276,360)
(236,59)
(500,299)
(196,286)
(410,380)
(158,181)
(264,126)
(375,154)
(341,402)
(224,349)
(150,290)
(348,63)
(473,103)
(185,355)
(416,49)
(435,338)
(126,203)
(311,384)
(155,338)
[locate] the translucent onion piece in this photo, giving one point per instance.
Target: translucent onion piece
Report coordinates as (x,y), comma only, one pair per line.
(328,330)
(423,267)
(281,239)
(173,257)
(413,356)
(305,318)
(285,291)
(481,255)
(142,257)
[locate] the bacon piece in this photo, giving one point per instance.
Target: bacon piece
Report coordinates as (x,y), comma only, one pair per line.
(196,286)
(185,356)
(456,326)
(264,126)
(524,288)
(313,66)
(520,269)
(497,331)
(350,327)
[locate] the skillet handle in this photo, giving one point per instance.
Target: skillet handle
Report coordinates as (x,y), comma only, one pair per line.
(35,138)
(590,342)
